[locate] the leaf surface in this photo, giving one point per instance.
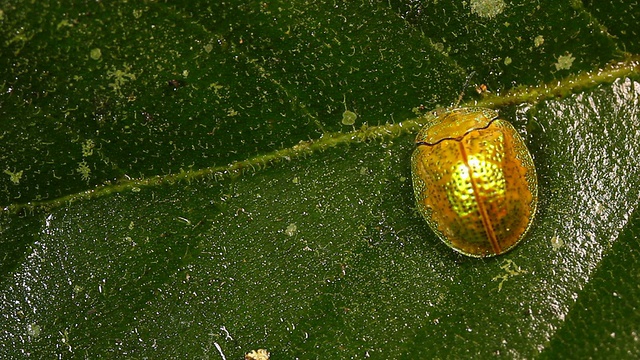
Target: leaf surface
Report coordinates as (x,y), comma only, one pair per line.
(185,180)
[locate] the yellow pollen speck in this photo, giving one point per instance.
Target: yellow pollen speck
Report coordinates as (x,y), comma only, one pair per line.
(564,62)
(14,176)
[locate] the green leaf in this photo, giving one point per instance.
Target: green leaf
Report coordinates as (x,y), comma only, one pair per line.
(199,180)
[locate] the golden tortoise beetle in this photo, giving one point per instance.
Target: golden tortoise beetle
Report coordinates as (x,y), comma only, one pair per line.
(474,181)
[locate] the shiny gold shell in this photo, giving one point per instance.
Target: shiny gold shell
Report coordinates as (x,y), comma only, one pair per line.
(474,181)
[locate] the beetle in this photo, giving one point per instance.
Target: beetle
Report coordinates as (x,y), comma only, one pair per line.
(474,181)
